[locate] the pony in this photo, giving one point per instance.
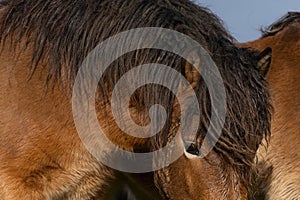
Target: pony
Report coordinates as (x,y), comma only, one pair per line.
(279,160)
(43,44)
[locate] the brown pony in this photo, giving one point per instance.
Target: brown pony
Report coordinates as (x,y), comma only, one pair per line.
(279,161)
(44,42)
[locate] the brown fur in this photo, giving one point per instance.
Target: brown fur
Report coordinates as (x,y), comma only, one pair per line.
(282,154)
(43,43)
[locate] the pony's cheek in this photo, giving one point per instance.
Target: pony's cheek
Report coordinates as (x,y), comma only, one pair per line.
(197,178)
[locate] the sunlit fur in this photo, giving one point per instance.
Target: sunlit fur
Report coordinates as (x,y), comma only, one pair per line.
(279,161)
(43,43)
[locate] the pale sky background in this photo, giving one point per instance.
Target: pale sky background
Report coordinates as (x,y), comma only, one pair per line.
(244,18)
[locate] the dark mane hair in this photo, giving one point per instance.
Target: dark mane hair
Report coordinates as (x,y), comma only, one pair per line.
(61,33)
(281,23)
(3,3)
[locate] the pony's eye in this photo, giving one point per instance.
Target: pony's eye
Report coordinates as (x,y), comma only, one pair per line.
(192,148)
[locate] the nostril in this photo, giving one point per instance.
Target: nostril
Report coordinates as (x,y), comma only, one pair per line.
(192,148)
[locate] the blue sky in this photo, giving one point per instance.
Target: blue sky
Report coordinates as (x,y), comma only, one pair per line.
(244,18)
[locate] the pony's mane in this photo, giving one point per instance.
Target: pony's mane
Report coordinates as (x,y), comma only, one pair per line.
(68,27)
(280,24)
(3,2)
(61,33)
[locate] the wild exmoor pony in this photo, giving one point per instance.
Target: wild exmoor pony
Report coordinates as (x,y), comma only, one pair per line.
(279,161)
(44,43)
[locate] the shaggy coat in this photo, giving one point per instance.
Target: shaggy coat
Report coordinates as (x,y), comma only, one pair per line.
(279,161)
(44,42)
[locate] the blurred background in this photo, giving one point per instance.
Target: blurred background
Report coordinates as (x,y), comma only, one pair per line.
(244,18)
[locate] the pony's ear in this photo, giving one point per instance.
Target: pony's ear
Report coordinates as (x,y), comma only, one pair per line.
(191,73)
(264,61)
